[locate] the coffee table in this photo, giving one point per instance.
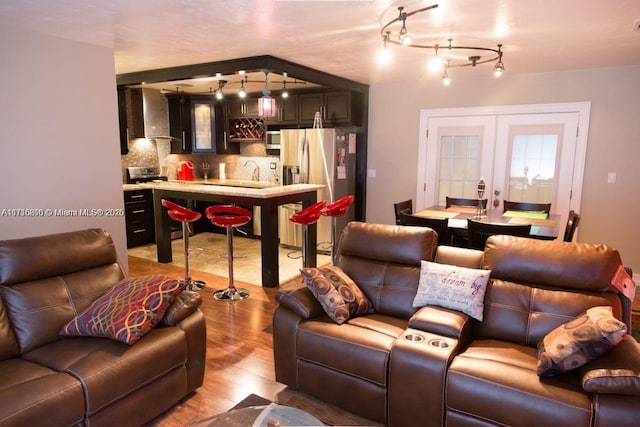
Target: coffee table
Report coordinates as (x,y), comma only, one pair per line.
(272,415)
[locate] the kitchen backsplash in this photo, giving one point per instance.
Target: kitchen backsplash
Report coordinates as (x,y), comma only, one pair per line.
(156,153)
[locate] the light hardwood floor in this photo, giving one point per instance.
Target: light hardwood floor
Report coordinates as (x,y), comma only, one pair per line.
(239,355)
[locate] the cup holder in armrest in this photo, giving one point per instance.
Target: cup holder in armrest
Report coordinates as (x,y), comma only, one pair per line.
(439,343)
(413,337)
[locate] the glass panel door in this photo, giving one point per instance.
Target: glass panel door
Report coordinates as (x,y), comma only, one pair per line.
(459,152)
(459,166)
(533,165)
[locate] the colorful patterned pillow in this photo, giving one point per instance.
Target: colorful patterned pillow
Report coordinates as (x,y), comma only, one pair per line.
(579,341)
(338,295)
(128,310)
(450,286)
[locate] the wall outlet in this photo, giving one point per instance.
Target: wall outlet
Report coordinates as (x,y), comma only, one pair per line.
(273,165)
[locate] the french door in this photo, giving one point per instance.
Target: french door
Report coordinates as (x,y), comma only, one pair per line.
(523,153)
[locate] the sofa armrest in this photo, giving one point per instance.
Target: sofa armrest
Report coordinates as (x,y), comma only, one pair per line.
(443,322)
(615,372)
(186,303)
(300,300)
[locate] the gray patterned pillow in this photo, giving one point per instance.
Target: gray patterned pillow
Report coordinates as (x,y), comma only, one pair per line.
(579,341)
(450,286)
(356,301)
(328,296)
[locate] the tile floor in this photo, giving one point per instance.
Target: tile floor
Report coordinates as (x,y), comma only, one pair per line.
(209,254)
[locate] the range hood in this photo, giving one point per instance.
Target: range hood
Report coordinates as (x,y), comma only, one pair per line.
(149,114)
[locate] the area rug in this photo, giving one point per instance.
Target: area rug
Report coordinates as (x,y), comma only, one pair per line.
(253,400)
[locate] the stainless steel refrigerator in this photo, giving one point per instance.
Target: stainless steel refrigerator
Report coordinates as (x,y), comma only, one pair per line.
(317,156)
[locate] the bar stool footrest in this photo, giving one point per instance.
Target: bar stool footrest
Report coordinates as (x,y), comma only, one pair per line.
(231,294)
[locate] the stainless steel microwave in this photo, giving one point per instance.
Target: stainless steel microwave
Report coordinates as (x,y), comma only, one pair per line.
(273,140)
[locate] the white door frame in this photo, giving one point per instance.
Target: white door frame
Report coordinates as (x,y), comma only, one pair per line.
(424,153)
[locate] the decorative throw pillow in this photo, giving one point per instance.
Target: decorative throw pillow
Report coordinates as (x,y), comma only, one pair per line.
(356,301)
(328,297)
(579,341)
(128,310)
(450,286)
(338,294)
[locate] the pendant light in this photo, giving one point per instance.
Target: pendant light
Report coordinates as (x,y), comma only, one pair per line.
(266,104)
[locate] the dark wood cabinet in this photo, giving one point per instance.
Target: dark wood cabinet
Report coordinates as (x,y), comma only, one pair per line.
(335,107)
(130,116)
(243,107)
(197,125)
(138,213)
(286,111)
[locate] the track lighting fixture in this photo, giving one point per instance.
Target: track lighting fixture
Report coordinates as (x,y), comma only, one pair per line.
(395,32)
(242,93)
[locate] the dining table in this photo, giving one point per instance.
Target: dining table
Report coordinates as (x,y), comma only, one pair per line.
(543,226)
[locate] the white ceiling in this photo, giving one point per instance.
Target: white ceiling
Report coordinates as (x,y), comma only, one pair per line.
(341,37)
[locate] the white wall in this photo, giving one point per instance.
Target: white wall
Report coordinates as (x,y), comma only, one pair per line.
(59,135)
(609,211)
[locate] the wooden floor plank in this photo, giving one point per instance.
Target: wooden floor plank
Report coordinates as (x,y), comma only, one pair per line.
(239,355)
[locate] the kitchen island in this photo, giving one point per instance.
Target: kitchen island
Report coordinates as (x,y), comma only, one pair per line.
(268,199)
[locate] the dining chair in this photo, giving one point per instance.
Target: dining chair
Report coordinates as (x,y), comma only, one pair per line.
(572,223)
(473,203)
(439,225)
(524,206)
(402,206)
(479,232)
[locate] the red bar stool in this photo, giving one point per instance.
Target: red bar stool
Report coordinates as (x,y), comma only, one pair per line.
(229,217)
(305,217)
(184,216)
(334,210)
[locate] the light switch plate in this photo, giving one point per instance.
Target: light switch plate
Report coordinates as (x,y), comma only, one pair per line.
(371,173)
(612,178)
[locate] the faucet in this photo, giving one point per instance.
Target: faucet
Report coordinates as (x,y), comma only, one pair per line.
(255,176)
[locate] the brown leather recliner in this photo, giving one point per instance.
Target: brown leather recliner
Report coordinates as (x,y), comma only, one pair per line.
(50,380)
(433,366)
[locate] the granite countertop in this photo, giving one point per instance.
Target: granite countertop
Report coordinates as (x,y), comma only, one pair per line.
(231,188)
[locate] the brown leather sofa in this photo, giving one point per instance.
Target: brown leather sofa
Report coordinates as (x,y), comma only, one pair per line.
(46,379)
(433,366)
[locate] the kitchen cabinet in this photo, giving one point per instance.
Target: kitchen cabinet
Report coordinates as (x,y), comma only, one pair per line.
(286,111)
(335,107)
(138,214)
(197,125)
(243,107)
(130,116)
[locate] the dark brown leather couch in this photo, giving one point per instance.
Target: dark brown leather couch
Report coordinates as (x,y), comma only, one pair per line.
(46,379)
(432,366)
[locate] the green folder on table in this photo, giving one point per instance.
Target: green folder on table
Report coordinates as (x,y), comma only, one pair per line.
(525,214)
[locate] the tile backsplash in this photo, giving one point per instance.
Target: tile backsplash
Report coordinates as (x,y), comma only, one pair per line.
(156,153)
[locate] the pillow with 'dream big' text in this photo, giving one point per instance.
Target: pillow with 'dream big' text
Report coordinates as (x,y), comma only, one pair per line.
(453,287)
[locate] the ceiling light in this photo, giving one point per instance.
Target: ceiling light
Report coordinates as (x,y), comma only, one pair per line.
(266,104)
(445,76)
(219,94)
(285,92)
(242,93)
(498,69)
(395,32)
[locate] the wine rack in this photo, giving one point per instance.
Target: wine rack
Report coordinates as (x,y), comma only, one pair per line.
(246,129)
